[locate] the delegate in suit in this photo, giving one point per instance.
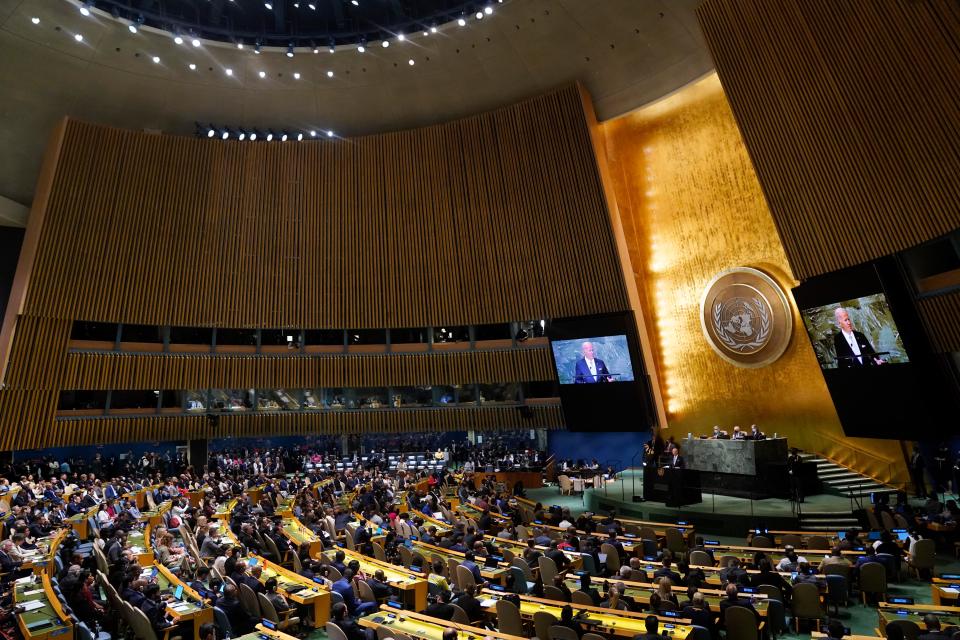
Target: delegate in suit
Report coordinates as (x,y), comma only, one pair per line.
(853,348)
(590,369)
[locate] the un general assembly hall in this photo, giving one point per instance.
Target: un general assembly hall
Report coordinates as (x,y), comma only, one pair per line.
(499,319)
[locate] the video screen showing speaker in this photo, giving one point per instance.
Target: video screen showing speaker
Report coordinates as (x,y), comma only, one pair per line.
(884,378)
(592,360)
(603,383)
(857,333)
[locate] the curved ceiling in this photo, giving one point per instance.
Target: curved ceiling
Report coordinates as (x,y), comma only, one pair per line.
(282,22)
(626,53)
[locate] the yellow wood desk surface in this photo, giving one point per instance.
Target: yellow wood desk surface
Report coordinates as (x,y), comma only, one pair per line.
(191,606)
(422,627)
(297,589)
(494,575)
(620,623)
(412,585)
(54,623)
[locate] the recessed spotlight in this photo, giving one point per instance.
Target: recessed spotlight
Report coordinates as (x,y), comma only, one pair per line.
(316,49)
(269,136)
(268,6)
(433,29)
(195,42)
(329,133)
(361,49)
(290,50)
(426,33)
(312,6)
(178,39)
(299,137)
(224,135)
(479,15)
(385,44)
(193,67)
(256,49)
(242,136)
(262,74)
(313,134)
(132,27)
(462,22)
(329,74)
(296,76)
(355,3)
(211,133)
(411,62)
(78,37)
(401,37)
(283,138)
(229,72)
(35,20)
(332,48)
(239,45)
(488,10)
(85,9)
(253,136)
(156,59)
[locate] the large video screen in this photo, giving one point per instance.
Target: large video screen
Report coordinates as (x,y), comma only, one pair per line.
(856,333)
(594,359)
(603,383)
(884,378)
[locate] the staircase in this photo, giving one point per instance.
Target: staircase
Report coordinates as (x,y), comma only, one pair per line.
(839,480)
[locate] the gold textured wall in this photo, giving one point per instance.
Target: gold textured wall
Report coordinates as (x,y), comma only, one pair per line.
(691,207)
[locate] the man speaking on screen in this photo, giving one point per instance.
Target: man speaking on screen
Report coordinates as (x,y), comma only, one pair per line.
(853,348)
(590,369)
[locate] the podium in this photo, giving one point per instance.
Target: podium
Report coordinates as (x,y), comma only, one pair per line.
(673,487)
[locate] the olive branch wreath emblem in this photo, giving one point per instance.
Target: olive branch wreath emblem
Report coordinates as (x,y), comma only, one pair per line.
(762,334)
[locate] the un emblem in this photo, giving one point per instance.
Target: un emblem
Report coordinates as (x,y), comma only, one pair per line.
(746,317)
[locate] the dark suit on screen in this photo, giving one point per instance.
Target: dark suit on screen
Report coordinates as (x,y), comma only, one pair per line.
(582,373)
(845,356)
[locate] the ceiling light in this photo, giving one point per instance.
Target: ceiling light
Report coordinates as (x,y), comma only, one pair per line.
(361,49)
(283,138)
(462,22)
(239,45)
(479,15)
(242,136)
(195,42)
(296,76)
(156,59)
(253,136)
(229,72)
(290,50)
(269,136)
(329,133)
(177,39)
(312,6)
(193,67)
(299,137)
(426,33)
(224,135)
(262,74)
(133,27)
(332,46)
(313,134)
(78,37)
(355,3)
(211,132)
(488,10)
(296,5)
(385,44)
(85,9)
(401,37)
(329,74)
(411,62)
(268,6)
(256,49)
(35,20)
(316,49)
(433,29)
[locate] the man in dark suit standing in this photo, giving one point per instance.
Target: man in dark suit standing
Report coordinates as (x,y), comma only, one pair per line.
(590,369)
(675,461)
(852,347)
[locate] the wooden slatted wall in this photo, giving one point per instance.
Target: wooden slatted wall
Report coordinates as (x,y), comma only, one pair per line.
(494,218)
(850,110)
(942,318)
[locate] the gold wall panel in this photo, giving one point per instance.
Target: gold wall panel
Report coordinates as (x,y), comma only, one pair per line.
(692,207)
(851,112)
(941,314)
